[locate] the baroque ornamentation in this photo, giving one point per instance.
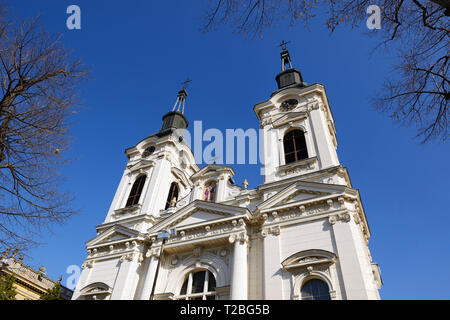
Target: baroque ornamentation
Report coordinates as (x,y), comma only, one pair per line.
(129,257)
(345,217)
(153,252)
(275,230)
(241,237)
(88,264)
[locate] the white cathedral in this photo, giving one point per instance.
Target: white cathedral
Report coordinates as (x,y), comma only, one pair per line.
(178,232)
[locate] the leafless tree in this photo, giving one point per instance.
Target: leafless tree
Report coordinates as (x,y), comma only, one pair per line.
(39,82)
(417,31)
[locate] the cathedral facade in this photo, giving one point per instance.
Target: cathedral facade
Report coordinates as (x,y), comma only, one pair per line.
(175,231)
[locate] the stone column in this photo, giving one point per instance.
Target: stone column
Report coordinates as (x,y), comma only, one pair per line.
(239,273)
(153,255)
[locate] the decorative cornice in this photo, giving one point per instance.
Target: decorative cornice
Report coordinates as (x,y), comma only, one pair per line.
(298,167)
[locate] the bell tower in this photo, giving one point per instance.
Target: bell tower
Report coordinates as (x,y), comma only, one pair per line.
(157,175)
(299,135)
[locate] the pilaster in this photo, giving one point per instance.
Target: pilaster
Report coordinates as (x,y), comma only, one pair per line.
(153,257)
(127,277)
(239,273)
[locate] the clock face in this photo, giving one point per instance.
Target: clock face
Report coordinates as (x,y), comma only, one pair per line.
(288,105)
(148,151)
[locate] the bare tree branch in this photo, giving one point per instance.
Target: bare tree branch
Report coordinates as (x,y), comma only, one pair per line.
(39,83)
(417,30)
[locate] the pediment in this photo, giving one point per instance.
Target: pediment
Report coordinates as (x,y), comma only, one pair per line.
(308,257)
(140,165)
(113,234)
(213,169)
(180,175)
(201,216)
(198,212)
(289,117)
(96,288)
(298,192)
(301,195)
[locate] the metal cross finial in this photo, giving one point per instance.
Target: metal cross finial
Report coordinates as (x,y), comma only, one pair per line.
(186,82)
(283,44)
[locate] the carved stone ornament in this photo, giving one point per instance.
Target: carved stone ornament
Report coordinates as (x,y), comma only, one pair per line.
(223,252)
(197,252)
(153,252)
(129,257)
(345,217)
(332,219)
(88,264)
(275,230)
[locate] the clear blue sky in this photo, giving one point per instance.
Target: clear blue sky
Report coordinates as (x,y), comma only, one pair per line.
(140,51)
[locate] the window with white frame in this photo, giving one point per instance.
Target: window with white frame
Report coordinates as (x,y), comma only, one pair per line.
(198,285)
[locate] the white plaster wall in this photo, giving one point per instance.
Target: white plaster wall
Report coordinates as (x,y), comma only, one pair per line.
(306,236)
(105,271)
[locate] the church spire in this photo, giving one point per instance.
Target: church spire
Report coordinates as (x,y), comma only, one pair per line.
(289,76)
(181,98)
(285,57)
(175,119)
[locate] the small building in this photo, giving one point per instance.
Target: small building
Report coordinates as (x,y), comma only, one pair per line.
(29,283)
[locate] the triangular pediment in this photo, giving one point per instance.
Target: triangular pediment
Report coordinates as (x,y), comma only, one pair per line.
(299,192)
(201,216)
(113,234)
(199,212)
(302,194)
(289,117)
(213,169)
(141,164)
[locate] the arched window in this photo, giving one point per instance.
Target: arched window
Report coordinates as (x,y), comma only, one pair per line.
(173,195)
(295,146)
(136,191)
(210,191)
(198,285)
(315,289)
